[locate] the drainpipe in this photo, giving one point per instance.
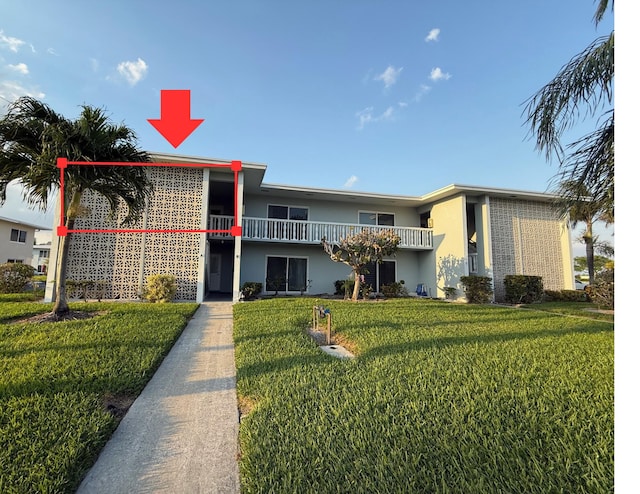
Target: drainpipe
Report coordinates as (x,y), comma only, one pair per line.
(237,241)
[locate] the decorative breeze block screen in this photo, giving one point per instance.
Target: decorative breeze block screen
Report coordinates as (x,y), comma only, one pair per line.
(124,260)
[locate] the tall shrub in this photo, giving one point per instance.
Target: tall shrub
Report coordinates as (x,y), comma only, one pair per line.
(523,289)
(477,289)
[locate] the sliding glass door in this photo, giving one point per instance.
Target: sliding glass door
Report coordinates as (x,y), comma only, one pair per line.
(286,274)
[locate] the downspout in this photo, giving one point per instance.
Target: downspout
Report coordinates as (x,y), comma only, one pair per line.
(237,253)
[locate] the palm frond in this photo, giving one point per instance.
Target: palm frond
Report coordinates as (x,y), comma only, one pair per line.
(585,82)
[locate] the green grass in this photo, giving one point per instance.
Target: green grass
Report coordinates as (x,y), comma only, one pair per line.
(578,309)
(55,377)
(441,398)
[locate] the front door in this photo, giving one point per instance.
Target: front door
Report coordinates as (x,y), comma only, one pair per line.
(215,265)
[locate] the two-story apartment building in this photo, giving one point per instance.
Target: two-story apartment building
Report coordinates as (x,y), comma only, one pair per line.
(40,258)
(16,240)
(448,233)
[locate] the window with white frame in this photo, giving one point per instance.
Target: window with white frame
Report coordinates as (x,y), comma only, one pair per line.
(19,236)
(15,261)
(288,212)
(376,218)
(380,274)
(294,228)
(286,274)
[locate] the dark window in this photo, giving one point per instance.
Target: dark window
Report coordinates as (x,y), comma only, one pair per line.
(18,236)
(279,212)
(373,218)
(288,213)
(276,273)
(380,274)
(301,214)
(286,274)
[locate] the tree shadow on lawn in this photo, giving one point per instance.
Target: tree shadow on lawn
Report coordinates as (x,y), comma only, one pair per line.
(448,341)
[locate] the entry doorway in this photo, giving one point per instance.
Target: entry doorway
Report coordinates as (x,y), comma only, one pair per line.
(215,269)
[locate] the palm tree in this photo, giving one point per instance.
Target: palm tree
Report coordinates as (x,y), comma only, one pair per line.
(585,84)
(33,136)
(586,210)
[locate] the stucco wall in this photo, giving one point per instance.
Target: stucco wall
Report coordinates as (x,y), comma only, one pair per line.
(120,260)
(526,238)
(450,243)
(15,250)
(329,211)
(322,271)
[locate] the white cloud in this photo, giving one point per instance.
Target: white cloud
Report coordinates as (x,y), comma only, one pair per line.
(133,72)
(437,74)
(422,90)
(366,116)
(433,35)
(20,68)
(388,113)
(11,91)
(389,76)
(403,104)
(95,65)
(350,182)
(11,43)
(51,51)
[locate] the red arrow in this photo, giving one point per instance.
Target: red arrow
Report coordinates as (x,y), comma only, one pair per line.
(175,123)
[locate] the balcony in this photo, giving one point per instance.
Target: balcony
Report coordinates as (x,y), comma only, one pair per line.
(312,232)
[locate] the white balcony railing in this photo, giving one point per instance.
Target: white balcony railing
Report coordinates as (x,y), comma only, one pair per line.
(312,232)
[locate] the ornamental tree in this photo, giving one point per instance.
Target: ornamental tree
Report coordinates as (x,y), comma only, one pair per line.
(362,248)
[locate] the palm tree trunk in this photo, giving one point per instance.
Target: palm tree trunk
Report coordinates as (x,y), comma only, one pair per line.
(61,305)
(588,242)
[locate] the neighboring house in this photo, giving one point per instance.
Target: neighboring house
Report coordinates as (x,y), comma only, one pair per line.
(40,258)
(452,232)
(16,240)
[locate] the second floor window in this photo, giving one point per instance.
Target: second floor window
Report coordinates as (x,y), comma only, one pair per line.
(374,218)
(288,213)
(18,236)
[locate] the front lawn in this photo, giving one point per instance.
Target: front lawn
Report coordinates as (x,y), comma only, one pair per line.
(441,397)
(64,386)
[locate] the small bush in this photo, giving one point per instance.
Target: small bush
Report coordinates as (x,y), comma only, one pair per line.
(523,289)
(86,289)
(565,295)
(601,292)
(160,288)
(394,290)
(345,287)
(251,289)
(449,292)
(14,277)
(477,289)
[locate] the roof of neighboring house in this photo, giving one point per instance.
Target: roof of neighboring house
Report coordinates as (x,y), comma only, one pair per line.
(24,223)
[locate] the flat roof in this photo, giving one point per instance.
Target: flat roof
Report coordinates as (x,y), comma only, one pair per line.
(255,174)
(24,223)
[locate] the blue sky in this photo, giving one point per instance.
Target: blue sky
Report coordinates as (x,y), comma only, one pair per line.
(379,96)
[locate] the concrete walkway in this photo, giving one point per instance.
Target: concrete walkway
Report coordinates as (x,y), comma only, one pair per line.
(181,433)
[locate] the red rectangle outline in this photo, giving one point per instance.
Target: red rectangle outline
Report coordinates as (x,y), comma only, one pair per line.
(235,166)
